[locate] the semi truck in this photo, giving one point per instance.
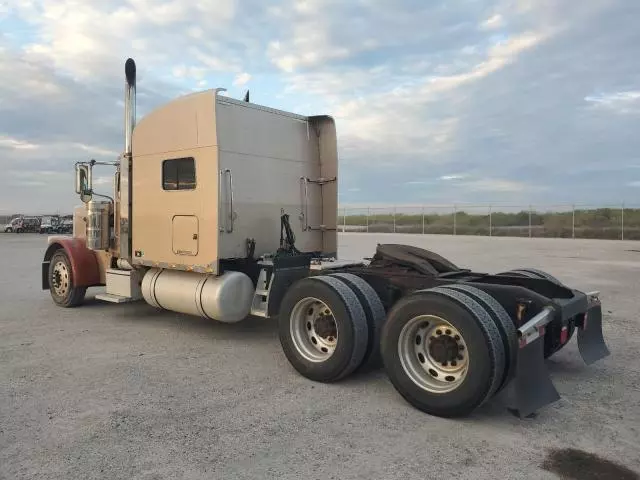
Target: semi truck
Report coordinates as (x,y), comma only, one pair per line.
(50,224)
(225,209)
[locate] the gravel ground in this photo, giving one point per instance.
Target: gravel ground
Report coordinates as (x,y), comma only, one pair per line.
(129,392)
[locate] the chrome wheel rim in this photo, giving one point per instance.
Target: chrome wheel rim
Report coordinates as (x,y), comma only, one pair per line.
(314,330)
(60,279)
(433,354)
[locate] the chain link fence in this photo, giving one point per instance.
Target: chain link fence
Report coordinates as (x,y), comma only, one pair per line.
(614,222)
(619,222)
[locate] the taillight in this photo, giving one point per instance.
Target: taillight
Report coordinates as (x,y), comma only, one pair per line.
(564,335)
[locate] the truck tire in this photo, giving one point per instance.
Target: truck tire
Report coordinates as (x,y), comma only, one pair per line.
(61,286)
(323,328)
(375,313)
(454,373)
(540,274)
(531,273)
(504,322)
(517,273)
(535,273)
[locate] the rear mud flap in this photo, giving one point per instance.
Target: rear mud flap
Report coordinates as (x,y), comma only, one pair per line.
(591,342)
(44,271)
(531,388)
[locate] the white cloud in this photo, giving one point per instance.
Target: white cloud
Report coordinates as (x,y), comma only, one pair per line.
(98,181)
(493,22)
(418,90)
(72,150)
(499,185)
(13,143)
(241,79)
(88,39)
(91,149)
(393,119)
(308,47)
(618,102)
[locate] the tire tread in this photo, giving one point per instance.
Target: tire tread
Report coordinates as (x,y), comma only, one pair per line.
(540,274)
(492,336)
(507,328)
(374,310)
(358,320)
(77,294)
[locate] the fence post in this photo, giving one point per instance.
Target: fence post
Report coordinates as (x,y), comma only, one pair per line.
(368,213)
(573,221)
(490,222)
(394,219)
(344,219)
(423,219)
(455,217)
(622,223)
(530,208)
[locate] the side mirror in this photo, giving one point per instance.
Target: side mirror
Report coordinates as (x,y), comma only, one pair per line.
(83,182)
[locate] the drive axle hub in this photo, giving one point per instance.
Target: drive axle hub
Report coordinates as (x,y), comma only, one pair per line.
(314,330)
(60,278)
(444,349)
(433,353)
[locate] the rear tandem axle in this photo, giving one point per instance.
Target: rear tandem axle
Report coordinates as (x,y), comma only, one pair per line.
(449,339)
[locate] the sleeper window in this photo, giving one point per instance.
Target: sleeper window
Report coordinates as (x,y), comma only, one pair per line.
(179,174)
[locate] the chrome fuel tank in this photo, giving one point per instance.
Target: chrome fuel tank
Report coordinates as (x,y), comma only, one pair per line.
(225,298)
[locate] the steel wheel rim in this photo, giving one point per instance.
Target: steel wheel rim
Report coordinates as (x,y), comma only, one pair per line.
(426,355)
(60,280)
(314,330)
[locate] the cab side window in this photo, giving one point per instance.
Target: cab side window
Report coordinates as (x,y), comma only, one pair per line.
(179,174)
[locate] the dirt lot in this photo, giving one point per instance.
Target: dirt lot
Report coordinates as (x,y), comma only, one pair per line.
(128,392)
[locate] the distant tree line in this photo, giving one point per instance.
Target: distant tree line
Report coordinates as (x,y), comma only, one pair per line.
(600,223)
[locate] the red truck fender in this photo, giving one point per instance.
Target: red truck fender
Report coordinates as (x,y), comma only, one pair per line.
(84,264)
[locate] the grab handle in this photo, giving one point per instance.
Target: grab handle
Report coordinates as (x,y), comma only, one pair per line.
(304,203)
(231,213)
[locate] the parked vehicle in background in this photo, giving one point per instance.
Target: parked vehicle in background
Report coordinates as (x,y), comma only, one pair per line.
(10,227)
(65,226)
(50,224)
(23,225)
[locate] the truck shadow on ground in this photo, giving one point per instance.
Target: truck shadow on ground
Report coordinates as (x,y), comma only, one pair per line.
(251,328)
(265,331)
(565,363)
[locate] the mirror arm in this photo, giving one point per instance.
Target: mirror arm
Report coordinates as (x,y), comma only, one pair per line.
(103,196)
(93,162)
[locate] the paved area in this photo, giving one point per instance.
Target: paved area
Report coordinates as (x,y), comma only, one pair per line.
(128,392)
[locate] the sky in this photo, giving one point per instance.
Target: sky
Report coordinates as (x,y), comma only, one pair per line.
(470,102)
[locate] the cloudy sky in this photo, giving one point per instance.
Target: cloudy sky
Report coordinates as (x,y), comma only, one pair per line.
(483,101)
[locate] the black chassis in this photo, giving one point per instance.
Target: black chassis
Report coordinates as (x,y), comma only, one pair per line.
(545,313)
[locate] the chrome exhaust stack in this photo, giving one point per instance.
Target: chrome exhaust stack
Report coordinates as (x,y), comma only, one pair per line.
(125,165)
(129,103)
